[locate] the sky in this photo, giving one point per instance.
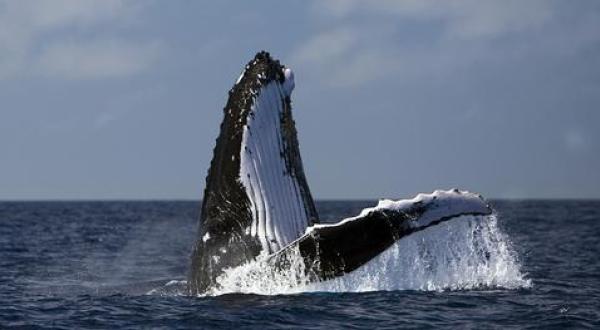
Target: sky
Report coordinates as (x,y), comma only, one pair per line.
(123,99)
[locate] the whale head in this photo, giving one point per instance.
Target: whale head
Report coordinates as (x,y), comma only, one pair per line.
(256,196)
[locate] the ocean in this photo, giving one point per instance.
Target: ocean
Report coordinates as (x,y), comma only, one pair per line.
(534,264)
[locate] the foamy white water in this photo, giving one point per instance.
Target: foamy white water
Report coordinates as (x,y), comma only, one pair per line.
(464,253)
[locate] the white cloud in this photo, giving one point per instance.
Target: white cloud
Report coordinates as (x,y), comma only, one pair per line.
(45,37)
(359,40)
(96,59)
(464,19)
(328,45)
(346,56)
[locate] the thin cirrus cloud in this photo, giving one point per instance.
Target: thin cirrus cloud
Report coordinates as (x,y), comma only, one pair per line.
(48,38)
(462,19)
(346,50)
(97,59)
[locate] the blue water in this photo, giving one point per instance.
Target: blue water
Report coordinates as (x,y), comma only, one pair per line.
(120,264)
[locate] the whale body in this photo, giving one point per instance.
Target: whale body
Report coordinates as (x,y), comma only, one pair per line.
(257,199)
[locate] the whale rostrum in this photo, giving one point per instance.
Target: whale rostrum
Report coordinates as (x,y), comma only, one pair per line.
(257,200)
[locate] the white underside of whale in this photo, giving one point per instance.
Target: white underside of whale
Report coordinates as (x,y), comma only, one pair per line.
(278,212)
(439,205)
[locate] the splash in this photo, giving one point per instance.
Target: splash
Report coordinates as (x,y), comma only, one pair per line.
(463,254)
(467,253)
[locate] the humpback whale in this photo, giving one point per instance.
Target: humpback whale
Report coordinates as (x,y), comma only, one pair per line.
(257,200)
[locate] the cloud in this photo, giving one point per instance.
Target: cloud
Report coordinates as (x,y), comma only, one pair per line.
(348,55)
(96,59)
(463,19)
(74,39)
(338,50)
(361,41)
(328,45)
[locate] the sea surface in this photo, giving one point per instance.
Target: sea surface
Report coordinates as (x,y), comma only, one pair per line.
(534,264)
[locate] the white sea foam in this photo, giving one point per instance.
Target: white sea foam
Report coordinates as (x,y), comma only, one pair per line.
(465,253)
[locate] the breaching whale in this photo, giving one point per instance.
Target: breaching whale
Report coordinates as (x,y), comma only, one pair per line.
(257,199)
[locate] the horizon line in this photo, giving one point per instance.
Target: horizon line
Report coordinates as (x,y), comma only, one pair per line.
(199,200)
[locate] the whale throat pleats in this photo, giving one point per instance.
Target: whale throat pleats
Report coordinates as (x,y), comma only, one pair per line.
(271,171)
(256,196)
(257,199)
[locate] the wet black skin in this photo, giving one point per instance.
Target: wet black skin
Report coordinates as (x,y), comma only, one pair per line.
(226,209)
(333,251)
(327,251)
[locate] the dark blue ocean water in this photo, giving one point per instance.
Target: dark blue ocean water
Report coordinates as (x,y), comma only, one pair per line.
(107,265)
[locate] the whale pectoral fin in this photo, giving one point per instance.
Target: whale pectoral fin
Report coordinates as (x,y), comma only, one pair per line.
(331,250)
